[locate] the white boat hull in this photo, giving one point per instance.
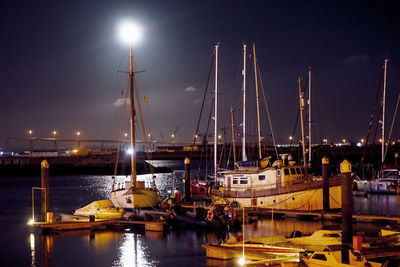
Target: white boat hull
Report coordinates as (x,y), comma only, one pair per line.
(139,198)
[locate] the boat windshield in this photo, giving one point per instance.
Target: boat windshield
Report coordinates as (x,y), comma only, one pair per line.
(333,248)
(391,173)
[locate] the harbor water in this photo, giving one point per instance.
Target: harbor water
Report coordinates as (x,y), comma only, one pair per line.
(132,247)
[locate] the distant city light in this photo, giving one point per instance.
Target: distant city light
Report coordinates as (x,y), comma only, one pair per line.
(130,32)
(290,138)
(129,151)
(30,132)
(359,144)
(54,133)
(325,141)
(219,136)
(344,141)
(149,135)
(78,133)
(172,135)
(380,140)
(126,134)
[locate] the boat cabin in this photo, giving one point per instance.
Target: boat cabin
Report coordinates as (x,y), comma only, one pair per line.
(332,256)
(252,177)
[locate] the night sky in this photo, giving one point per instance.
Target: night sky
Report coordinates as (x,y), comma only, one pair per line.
(59,63)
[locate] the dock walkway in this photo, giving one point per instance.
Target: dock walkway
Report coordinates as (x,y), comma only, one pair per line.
(96,225)
(322,215)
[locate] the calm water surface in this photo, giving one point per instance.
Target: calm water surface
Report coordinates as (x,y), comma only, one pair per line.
(133,247)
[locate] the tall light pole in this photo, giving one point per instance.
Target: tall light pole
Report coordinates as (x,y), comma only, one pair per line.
(55,140)
(30,132)
(78,134)
(126,141)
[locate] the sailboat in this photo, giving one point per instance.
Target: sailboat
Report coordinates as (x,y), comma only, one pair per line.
(389,178)
(280,185)
(134,194)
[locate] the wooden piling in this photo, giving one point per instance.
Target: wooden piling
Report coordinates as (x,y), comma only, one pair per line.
(187,180)
(46,189)
(325,183)
(347,207)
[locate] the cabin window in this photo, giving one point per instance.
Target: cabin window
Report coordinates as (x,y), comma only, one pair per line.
(243,180)
(286,171)
(298,171)
(292,171)
(331,235)
(235,181)
(320,257)
(303,171)
(261,177)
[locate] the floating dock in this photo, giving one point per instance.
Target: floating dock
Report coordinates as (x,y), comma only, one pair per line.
(321,215)
(96,225)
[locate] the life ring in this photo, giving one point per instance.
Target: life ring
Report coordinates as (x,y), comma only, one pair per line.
(232,214)
(210,215)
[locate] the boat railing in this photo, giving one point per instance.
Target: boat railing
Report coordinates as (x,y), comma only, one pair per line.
(270,189)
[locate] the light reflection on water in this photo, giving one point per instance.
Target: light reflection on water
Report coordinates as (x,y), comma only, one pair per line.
(180,248)
(133,252)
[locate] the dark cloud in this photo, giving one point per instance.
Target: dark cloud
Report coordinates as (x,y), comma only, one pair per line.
(190,89)
(356,59)
(121,102)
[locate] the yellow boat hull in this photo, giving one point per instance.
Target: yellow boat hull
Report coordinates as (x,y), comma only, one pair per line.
(305,200)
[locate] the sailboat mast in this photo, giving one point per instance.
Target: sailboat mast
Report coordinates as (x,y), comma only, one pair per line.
(233,137)
(216,112)
(309,116)
(244,156)
(301,94)
(132,115)
(258,102)
(383,111)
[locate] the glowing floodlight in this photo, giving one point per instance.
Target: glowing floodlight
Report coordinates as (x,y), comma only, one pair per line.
(242,261)
(130,32)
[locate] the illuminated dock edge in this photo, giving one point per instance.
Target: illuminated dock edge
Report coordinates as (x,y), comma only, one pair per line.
(156,226)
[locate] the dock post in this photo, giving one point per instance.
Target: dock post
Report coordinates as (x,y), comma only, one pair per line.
(325,183)
(46,189)
(187,180)
(347,207)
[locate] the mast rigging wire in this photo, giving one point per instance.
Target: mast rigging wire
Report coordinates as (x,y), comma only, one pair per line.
(372,117)
(267,110)
(391,127)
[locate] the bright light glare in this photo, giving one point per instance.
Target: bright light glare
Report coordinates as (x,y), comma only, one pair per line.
(130,32)
(32,241)
(242,261)
(129,151)
(31,221)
